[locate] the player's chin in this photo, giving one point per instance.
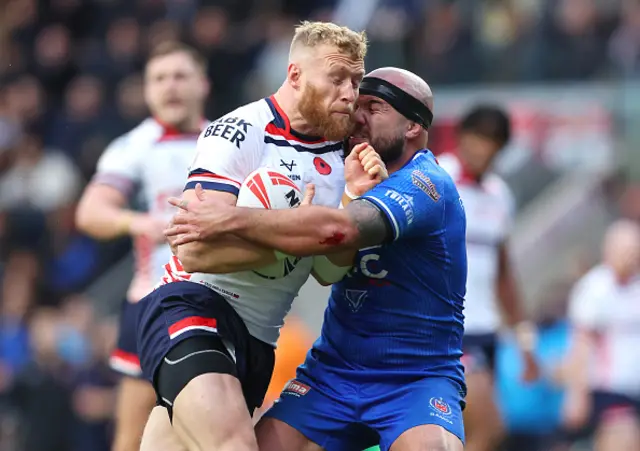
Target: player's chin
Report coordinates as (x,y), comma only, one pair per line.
(173,115)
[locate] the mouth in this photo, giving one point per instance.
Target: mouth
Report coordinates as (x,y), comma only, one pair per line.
(173,103)
(355,140)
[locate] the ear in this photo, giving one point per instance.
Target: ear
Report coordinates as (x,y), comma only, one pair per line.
(206,87)
(293,75)
(413,130)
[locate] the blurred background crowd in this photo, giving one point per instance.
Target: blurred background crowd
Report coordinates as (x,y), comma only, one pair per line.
(70,81)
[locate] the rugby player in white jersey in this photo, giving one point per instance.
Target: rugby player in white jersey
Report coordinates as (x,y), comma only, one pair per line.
(491,287)
(207,334)
(151,160)
(603,381)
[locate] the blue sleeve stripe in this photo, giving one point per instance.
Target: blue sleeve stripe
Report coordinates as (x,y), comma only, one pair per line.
(387,211)
(213,186)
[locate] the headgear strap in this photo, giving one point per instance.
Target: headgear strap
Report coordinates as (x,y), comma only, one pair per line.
(404,103)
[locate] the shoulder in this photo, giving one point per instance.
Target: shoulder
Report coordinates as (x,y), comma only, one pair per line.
(598,276)
(251,118)
(499,188)
(451,164)
(140,137)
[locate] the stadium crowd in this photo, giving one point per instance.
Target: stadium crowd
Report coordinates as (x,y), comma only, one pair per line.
(70,81)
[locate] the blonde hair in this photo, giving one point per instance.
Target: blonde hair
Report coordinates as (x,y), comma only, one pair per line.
(312,34)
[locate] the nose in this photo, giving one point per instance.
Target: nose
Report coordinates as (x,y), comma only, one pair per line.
(359,116)
(349,93)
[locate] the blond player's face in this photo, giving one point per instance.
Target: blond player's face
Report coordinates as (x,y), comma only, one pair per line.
(330,89)
(175,88)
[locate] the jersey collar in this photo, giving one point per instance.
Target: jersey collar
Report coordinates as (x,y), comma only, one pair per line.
(169,132)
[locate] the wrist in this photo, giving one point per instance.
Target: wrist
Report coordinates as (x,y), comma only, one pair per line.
(125,220)
(352,194)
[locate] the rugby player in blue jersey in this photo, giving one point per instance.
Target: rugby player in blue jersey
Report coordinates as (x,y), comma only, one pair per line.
(386,368)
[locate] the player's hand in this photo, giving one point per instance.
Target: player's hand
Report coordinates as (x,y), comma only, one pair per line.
(148,226)
(309,193)
(172,240)
(363,169)
(531,370)
(201,219)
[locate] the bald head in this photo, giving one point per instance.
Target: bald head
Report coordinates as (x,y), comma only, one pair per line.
(407,81)
(621,247)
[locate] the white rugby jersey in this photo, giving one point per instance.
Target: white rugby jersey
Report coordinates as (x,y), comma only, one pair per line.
(490,207)
(251,137)
(601,304)
(152,160)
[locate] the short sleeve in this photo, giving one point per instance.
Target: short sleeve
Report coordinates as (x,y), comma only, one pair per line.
(227,152)
(119,166)
(585,308)
(412,202)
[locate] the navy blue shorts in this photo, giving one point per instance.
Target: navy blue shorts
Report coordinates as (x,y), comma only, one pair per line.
(609,406)
(479,352)
(338,414)
(177,311)
(124,358)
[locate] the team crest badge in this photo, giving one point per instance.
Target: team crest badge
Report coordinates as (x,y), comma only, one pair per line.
(440,406)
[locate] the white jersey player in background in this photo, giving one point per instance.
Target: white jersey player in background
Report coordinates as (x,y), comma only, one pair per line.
(603,381)
(491,287)
(207,339)
(152,160)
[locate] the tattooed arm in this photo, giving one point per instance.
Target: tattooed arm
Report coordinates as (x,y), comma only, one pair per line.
(313,230)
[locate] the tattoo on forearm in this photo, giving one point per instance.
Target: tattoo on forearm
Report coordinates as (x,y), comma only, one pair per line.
(373,225)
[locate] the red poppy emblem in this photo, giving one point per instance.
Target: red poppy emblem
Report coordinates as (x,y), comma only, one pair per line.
(322,166)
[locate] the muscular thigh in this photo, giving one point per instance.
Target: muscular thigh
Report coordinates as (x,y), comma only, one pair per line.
(423,410)
(276,435)
(211,412)
(428,437)
(158,433)
(310,416)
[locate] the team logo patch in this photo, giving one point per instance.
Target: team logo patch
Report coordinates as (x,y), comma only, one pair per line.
(322,166)
(295,388)
(355,298)
(440,406)
(425,184)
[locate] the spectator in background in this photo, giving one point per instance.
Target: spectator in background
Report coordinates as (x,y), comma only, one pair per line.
(25,101)
(572,42)
(53,64)
(624,47)
(81,117)
(603,372)
(41,393)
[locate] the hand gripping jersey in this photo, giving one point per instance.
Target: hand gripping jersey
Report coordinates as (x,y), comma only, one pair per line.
(254,136)
(490,207)
(153,161)
(400,309)
(600,304)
